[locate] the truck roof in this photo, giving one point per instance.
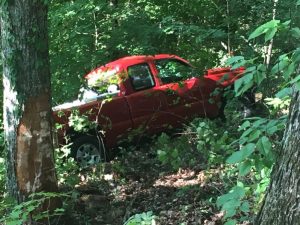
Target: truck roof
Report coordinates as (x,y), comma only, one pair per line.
(122,63)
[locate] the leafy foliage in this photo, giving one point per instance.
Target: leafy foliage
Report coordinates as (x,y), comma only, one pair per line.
(260,140)
(84,34)
(66,167)
(202,143)
(26,211)
(269,29)
(146,218)
(81,122)
(231,202)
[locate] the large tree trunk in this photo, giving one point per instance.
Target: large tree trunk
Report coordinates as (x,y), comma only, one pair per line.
(282,201)
(27,98)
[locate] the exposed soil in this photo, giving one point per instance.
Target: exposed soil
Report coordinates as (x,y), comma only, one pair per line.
(136,182)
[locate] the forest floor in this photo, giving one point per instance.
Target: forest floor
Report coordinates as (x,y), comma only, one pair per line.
(136,182)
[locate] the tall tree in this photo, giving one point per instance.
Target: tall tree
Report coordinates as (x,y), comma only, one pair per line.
(27,98)
(281,204)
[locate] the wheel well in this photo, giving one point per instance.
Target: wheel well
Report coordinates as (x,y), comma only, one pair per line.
(73,134)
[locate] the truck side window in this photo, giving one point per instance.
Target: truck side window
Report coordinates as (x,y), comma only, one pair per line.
(140,76)
(172,70)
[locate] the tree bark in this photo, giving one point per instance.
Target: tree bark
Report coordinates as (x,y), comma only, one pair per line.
(27,98)
(282,201)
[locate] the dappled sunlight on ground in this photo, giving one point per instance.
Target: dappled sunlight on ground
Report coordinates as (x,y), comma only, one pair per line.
(183,178)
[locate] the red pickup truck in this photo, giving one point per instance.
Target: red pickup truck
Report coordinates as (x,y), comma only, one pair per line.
(148,94)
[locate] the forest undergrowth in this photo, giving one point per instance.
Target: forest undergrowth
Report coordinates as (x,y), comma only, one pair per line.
(198,175)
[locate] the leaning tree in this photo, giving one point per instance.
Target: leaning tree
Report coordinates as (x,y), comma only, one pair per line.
(27,98)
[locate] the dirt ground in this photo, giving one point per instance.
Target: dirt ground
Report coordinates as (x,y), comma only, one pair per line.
(137,182)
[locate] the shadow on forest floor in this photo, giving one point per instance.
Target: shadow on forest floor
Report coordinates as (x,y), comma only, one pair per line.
(137,182)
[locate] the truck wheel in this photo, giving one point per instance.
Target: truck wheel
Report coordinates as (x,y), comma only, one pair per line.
(88,150)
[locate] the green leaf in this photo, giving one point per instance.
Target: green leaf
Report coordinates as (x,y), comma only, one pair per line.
(238,192)
(282,57)
(257,32)
(297,85)
(235,157)
(264,29)
(286,23)
(230,213)
(296,79)
(243,84)
(245,207)
(254,135)
(247,132)
(298,2)
(233,203)
(295,32)
(283,93)
(162,155)
(245,168)
(282,64)
(235,194)
(30,208)
(245,125)
(14,222)
(239,156)
(59,210)
(289,71)
(250,69)
(174,153)
(270,34)
(272,127)
(231,222)
(241,185)
(238,65)
(234,59)
(259,122)
(264,145)
(260,74)
(296,56)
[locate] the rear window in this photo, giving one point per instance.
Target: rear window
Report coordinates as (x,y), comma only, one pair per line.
(102,80)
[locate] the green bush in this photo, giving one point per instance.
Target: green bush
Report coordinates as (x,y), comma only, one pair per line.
(203,142)
(251,166)
(28,211)
(66,167)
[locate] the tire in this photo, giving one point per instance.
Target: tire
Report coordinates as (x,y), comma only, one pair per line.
(88,150)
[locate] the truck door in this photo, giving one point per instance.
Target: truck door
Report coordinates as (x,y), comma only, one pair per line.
(147,103)
(186,92)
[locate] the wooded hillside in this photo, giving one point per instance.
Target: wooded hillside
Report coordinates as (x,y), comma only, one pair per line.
(209,172)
